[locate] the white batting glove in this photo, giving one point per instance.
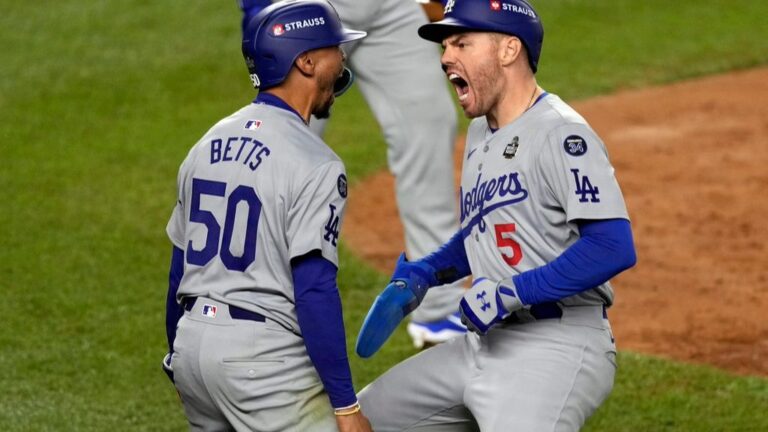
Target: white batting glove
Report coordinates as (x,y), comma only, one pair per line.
(488,303)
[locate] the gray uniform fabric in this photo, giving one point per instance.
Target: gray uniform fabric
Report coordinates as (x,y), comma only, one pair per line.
(297,184)
(534,197)
(523,187)
(258,189)
(546,375)
(246,375)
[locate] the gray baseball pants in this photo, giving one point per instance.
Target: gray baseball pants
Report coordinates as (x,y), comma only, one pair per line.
(242,375)
(546,375)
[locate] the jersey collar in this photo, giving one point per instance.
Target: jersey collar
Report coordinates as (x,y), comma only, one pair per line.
(264,98)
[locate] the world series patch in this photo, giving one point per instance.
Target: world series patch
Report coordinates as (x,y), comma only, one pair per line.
(575,145)
(511,149)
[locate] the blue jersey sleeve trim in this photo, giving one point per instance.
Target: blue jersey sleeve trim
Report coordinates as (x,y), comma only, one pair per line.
(173,310)
(541,96)
(605,249)
(318,307)
(449,261)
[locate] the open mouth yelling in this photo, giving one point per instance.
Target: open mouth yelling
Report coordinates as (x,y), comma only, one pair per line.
(460,84)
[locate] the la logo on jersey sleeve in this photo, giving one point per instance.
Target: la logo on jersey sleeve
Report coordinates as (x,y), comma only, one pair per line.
(332,226)
(334,220)
(584,187)
(576,146)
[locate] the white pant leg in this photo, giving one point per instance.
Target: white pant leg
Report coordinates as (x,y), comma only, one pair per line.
(399,75)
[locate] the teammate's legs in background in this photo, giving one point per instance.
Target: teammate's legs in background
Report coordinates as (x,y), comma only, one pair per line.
(400,77)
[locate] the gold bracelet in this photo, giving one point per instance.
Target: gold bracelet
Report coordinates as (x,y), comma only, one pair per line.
(347,411)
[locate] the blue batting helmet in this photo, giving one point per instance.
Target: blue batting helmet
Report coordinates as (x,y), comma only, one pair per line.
(512,17)
(276,36)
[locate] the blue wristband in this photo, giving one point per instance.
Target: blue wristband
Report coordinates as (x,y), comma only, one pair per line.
(449,261)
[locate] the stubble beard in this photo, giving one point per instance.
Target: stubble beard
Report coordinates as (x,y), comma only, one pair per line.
(324,110)
(486,88)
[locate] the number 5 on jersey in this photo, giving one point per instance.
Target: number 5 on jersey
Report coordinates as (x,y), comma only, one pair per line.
(504,240)
(214,237)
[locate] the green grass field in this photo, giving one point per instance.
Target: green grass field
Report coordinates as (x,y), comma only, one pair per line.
(101,100)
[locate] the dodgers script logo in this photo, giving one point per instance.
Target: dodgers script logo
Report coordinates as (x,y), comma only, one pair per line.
(473,202)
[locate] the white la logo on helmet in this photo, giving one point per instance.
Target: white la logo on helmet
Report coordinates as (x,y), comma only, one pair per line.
(255,80)
(449,6)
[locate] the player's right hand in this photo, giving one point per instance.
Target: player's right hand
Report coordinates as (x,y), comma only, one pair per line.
(487,303)
(404,293)
(356,422)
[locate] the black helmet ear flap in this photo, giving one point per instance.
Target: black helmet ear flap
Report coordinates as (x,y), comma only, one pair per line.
(344,82)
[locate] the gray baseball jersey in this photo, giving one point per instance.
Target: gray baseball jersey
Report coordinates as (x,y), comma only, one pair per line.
(261,168)
(523,188)
(257,190)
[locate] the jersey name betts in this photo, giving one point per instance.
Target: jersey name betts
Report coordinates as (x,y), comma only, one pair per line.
(259,189)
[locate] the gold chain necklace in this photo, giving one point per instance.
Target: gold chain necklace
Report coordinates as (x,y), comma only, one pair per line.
(533,95)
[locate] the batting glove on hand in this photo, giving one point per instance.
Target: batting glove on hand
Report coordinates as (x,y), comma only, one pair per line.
(487,303)
(404,293)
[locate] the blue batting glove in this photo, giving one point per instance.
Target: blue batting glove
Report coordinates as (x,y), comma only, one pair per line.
(404,293)
(487,303)
(418,275)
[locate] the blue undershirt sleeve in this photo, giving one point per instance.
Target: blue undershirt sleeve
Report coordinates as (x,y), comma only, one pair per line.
(449,261)
(173,310)
(318,307)
(605,249)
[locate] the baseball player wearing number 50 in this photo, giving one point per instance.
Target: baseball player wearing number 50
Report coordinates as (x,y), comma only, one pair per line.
(543,229)
(261,343)
(413,107)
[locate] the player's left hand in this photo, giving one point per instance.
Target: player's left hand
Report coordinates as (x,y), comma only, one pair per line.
(404,293)
(389,308)
(487,303)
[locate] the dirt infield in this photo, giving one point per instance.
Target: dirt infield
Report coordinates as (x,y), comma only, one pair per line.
(692,160)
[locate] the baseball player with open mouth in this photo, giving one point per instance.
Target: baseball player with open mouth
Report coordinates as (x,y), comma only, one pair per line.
(543,229)
(255,329)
